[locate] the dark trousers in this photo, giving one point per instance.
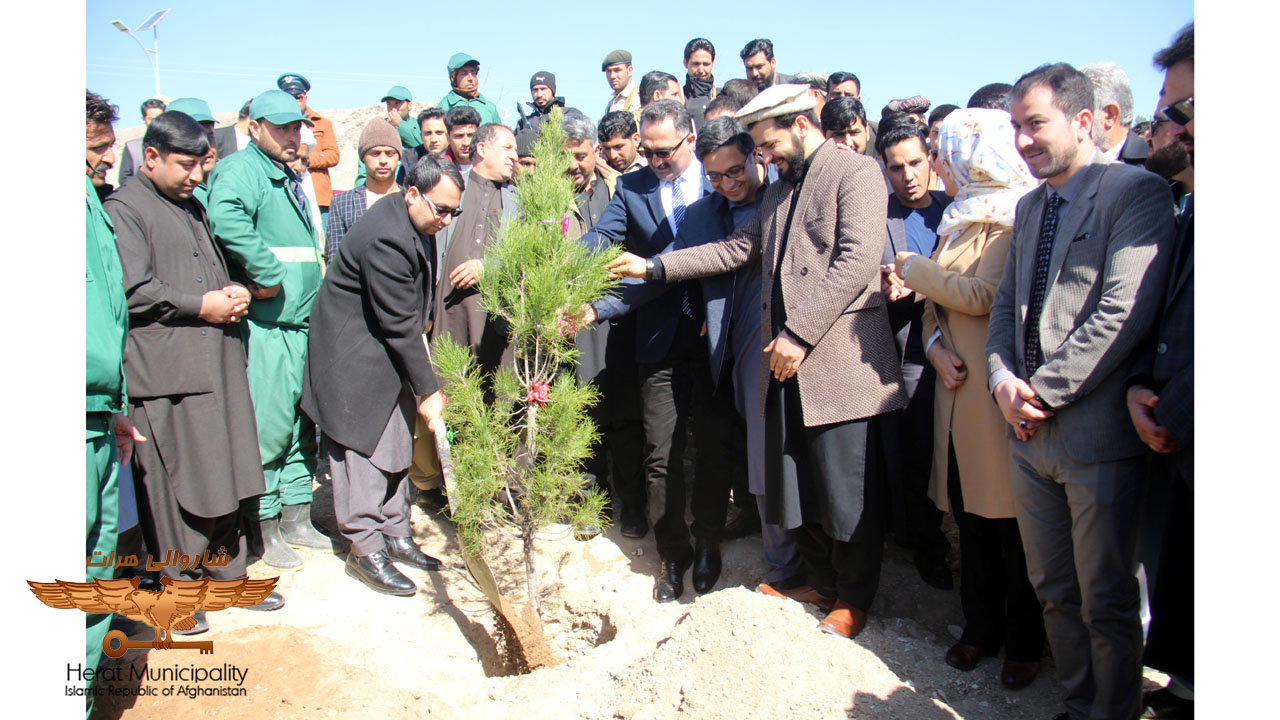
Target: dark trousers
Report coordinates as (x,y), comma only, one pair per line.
(167,526)
(999,603)
(908,461)
(669,392)
(1171,635)
(619,451)
(850,569)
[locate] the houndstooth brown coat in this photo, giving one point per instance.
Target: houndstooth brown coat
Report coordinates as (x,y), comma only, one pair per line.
(830,277)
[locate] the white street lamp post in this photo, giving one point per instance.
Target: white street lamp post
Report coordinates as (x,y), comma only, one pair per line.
(153,52)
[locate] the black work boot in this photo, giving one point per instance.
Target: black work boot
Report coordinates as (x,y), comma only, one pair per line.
(296,527)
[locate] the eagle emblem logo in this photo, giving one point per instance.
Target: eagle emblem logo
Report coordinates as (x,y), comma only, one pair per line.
(171,609)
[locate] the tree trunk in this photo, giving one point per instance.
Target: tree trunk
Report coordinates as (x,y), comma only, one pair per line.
(531,570)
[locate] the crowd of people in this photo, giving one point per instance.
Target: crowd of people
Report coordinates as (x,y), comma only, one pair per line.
(806,292)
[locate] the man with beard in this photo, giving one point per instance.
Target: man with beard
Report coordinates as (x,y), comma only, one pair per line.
(761,67)
(464,76)
(542,86)
(619,141)
(185,363)
(261,219)
(380,151)
(1161,402)
(832,365)
(617,70)
(1168,157)
(368,373)
(1080,291)
(699,83)
(1113,114)
(489,200)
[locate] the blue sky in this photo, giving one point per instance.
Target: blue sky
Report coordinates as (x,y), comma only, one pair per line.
(226,52)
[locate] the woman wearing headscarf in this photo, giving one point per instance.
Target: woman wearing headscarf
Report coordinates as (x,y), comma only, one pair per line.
(970,474)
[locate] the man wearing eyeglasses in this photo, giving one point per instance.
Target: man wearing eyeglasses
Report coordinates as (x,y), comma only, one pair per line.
(488,201)
(368,373)
(832,365)
(648,208)
(1161,402)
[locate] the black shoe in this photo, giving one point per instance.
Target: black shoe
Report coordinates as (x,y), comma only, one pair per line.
(376,571)
(201,626)
(274,601)
(297,530)
(634,527)
(431,501)
(935,571)
(274,550)
(789,583)
(747,523)
(670,583)
(403,549)
(706,566)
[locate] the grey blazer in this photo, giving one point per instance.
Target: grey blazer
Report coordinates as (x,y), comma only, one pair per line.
(1106,278)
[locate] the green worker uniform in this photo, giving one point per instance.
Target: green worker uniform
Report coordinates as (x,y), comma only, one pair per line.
(410,133)
(106,326)
(488,111)
(265,229)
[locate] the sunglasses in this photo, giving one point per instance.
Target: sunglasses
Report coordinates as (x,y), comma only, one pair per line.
(453,212)
(1181,112)
(663,154)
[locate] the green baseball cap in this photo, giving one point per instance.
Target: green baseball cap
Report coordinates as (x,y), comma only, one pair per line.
(195,107)
(398,92)
(457,60)
(276,107)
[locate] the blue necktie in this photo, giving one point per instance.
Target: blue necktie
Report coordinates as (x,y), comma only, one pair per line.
(1044,251)
(677,212)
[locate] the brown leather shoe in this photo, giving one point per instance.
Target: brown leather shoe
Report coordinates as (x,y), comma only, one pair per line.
(804,594)
(962,656)
(845,620)
(1016,675)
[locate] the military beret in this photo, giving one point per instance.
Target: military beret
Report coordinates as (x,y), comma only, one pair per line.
(614,58)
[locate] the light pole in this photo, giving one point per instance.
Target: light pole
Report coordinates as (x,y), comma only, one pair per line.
(153,52)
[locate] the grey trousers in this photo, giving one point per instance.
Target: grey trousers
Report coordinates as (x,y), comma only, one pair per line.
(371,494)
(1079,527)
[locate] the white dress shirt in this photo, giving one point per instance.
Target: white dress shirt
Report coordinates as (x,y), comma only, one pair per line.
(690,187)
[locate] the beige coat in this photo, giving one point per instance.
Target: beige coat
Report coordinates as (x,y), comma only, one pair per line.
(960,285)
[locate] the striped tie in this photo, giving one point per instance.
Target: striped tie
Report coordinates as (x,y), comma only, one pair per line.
(1044,251)
(677,212)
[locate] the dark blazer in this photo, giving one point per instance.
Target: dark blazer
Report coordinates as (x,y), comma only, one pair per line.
(1106,278)
(224,138)
(366,328)
(830,280)
(1167,362)
(706,220)
(636,219)
(906,315)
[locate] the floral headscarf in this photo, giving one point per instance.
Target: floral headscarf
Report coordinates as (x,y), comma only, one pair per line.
(976,149)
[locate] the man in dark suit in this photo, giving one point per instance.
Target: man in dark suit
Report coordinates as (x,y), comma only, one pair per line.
(912,228)
(646,211)
(368,370)
(731,303)
(832,364)
(1080,291)
(1161,401)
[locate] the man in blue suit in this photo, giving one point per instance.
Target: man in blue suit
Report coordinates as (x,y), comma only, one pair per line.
(732,306)
(675,378)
